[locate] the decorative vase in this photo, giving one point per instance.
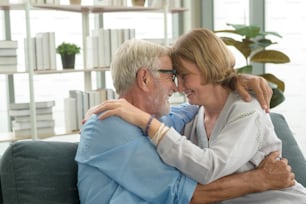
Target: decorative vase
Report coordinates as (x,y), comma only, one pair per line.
(68,61)
(138,2)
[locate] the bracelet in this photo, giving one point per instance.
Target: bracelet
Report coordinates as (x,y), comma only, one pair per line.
(162,130)
(148,125)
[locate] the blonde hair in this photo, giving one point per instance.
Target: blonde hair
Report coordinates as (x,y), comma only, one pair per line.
(206,50)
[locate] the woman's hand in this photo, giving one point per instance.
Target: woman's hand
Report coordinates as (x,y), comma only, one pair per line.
(89,113)
(263,92)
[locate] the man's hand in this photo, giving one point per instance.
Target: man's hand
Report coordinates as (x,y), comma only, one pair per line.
(277,174)
(250,83)
(273,173)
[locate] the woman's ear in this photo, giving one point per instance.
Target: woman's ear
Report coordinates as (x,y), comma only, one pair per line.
(143,78)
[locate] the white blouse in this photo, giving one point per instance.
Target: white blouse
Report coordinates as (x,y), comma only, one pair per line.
(243,135)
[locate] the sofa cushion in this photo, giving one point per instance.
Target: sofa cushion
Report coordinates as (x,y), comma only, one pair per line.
(36,172)
(291,150)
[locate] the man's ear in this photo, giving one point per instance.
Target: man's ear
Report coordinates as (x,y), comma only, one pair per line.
(143,78)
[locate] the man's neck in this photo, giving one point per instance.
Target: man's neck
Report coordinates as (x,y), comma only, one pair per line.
(138,99)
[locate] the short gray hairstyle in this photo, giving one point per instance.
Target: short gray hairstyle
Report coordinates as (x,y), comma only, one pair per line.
(130,57)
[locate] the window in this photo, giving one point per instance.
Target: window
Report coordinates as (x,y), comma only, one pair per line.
(280,16)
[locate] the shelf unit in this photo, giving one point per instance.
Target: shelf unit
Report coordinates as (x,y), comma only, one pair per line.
(84,11)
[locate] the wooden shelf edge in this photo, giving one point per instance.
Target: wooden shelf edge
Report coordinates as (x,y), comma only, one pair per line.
(89,8)
(71,71)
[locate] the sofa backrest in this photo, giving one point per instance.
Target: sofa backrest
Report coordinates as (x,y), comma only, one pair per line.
(291,149)
(36,172)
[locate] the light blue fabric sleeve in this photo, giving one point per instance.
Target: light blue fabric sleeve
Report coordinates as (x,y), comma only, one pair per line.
(123,155)
(180,115)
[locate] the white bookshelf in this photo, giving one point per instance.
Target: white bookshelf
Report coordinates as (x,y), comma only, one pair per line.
(84,11)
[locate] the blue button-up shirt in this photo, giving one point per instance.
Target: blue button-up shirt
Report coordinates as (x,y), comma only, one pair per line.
(118,164)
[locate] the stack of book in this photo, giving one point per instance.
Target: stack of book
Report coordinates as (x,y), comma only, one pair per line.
(102,43)
(8,55)
(44,51)
(22,124)
(78,103)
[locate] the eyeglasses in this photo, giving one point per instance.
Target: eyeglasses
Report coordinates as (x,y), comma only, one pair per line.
(169,71)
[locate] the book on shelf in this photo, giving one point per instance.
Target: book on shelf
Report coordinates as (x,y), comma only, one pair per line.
(85,102)
(23,109)
(78,103)
(8,68)
(42,132)
(106,41)
(9,44)
(103,37)
(7,60)
(47,116)
(52,50)
(92,52)
(22,121)
(43,50)
(95,98)
(175,4)
(8,56)
(39,54)
(8,52)
(21,125)
(77,95)
(39,104)
(25,112)
(30,53)
(71,122)
(116,39)
(47,40)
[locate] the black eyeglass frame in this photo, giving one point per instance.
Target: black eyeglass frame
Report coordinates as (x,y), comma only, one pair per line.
(170,71)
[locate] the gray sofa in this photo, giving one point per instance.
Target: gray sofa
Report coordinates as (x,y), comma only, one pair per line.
(44,172)
(39,172)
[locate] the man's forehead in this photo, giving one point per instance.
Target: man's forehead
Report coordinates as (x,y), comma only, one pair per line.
(166,62)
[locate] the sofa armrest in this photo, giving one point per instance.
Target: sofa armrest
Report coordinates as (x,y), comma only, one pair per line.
(291,149)
(39,172)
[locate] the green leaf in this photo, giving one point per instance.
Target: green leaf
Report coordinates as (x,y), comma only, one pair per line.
(243,47)
(270,33)
(278,88)
(264,42)
(273,79)
(249,31)
(67,49)
(227,31)
(246,69)
(270,56)
(277,98)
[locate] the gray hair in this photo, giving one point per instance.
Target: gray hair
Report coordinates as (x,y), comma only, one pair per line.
(130,57)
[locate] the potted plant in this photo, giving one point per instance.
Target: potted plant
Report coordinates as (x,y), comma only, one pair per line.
(252,46)
(68,52)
